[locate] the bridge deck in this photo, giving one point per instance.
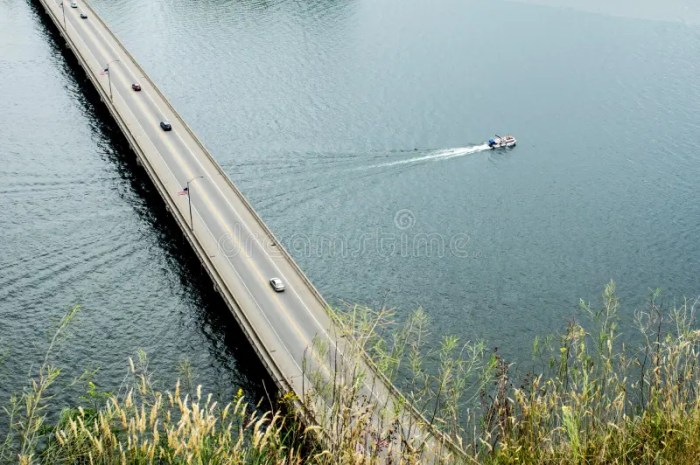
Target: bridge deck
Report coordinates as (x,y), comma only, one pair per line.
(287,329)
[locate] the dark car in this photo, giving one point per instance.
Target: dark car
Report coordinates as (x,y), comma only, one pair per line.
(166,126)
(83,15)
(136,86)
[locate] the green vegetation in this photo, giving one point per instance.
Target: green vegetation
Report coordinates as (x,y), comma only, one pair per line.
(591,400)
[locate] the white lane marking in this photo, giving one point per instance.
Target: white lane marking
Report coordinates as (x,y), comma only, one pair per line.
(204,222)
(222,196)
(186,147)
(215,211)
(252,297)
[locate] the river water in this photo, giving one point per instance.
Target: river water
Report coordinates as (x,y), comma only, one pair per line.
(356,129)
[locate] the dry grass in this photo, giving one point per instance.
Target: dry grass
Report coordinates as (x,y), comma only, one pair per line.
(593,401)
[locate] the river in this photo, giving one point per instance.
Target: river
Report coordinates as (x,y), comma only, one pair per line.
(356,129)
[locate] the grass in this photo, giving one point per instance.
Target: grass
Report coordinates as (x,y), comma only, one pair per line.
(592,400)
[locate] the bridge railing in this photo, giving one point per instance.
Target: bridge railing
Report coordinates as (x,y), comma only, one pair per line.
(267,360)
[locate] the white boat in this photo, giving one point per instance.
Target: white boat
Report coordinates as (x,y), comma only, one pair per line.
(498,142)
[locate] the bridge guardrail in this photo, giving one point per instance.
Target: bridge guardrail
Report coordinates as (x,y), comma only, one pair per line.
(267,360)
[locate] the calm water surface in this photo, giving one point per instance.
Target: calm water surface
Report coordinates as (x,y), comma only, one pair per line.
(355,128)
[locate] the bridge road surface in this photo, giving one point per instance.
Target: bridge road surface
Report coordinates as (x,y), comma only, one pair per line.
(236,248)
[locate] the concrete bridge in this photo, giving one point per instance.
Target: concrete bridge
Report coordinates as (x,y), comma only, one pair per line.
(292,331)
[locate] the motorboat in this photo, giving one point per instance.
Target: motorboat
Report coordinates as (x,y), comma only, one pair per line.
(499,142)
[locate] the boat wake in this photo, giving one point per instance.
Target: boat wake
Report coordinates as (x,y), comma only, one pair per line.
(435,155)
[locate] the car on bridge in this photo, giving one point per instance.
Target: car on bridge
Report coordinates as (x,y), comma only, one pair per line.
(136,87)
(166,126)
(74,4)
(83,15)
(277,284)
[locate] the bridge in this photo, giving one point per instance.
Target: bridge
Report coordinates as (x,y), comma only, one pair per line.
(292,331)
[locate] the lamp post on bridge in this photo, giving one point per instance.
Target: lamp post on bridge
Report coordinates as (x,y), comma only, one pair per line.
(186,191)
(109,78)
(64,16)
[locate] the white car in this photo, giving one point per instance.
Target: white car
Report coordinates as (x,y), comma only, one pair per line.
(74,4)
(277,284)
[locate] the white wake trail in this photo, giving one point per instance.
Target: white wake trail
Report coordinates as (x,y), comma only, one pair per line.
(435,155)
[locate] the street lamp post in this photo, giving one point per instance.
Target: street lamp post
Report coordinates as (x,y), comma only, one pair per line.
(109,78)
(189,199)
(64,16)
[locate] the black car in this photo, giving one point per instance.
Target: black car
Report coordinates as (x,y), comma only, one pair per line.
(136,86)
(166,126)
